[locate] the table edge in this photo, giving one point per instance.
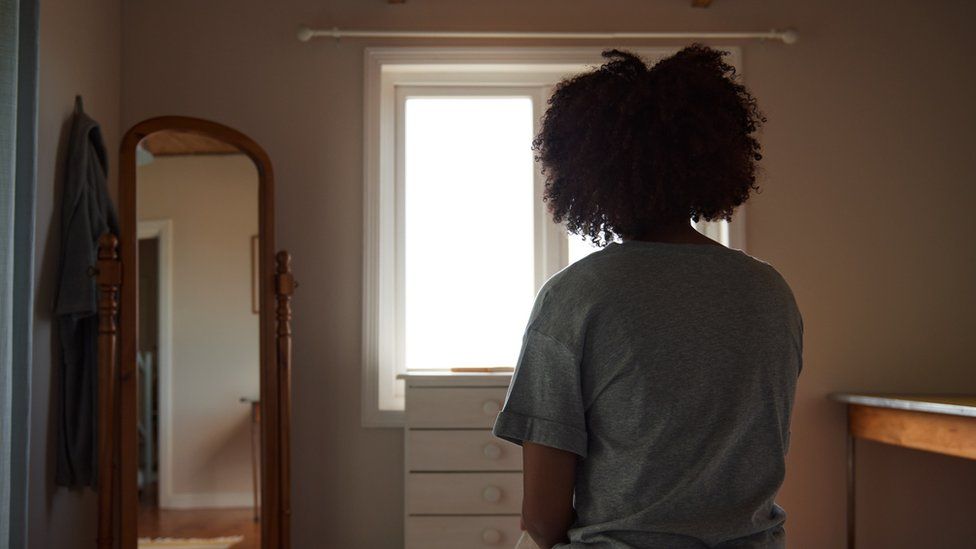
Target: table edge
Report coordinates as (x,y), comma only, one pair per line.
(887,401)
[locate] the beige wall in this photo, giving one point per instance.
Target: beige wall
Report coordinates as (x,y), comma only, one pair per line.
(212,205)
(866,211)
(79,54)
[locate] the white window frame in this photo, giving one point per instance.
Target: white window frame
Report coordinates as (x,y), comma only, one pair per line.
(391,75)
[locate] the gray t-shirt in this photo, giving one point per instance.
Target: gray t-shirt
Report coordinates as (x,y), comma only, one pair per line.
(670,369)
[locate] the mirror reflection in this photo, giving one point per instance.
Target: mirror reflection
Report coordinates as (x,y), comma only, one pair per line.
(198,343)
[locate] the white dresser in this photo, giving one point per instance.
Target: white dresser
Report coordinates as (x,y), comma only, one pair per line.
(463,487)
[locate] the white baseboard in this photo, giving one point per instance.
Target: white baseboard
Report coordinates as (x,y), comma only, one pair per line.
(207,500)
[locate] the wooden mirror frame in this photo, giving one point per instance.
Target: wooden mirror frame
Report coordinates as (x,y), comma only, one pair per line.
(274,348)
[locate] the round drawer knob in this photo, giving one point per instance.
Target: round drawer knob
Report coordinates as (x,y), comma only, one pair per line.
(492,494)
(492,451)
(491,407)
(491,536)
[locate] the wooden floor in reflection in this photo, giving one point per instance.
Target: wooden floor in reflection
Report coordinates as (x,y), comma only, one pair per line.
(200,523)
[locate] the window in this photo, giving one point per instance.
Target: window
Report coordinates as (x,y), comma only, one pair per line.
(468,286)
(448,133)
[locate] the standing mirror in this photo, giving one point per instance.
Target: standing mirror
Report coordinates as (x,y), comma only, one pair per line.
(204,332)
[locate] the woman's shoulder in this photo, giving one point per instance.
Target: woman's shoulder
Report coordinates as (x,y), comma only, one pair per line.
(602,268)
(579,275)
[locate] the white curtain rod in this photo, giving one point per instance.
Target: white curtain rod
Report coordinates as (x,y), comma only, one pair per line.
(788,36)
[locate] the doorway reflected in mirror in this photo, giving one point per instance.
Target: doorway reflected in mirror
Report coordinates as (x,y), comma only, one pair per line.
(198,355)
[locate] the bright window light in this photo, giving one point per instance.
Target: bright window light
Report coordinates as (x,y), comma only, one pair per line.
(716,230)
(579,248)
(468,230)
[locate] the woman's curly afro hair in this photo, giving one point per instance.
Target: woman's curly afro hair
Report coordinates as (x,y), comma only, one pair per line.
(626,148)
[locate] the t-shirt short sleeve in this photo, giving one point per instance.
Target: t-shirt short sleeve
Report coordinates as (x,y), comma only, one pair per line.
(544,403)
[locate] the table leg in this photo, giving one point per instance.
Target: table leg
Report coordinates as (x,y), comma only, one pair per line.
(851,499)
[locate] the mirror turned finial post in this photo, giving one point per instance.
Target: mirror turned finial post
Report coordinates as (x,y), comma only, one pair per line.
(109,277)
(285,285)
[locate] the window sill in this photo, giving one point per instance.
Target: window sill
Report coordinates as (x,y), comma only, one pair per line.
(447,377)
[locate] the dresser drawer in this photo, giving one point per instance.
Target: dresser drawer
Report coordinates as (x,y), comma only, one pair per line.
(460,451)
(464,493)
(446,407)
(462,532)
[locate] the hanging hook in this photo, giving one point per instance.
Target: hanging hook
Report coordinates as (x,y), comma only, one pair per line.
(79,105)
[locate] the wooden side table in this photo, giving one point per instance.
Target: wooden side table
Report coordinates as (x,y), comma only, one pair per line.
(943,424)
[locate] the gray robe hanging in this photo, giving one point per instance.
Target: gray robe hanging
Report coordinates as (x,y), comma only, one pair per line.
(86,214)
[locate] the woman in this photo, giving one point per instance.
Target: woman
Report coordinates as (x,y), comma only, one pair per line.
(654,388)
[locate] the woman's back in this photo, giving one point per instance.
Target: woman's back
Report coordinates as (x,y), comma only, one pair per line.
(671,369)
(654,387)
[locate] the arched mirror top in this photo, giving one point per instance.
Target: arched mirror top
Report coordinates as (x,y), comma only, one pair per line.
(195,135)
